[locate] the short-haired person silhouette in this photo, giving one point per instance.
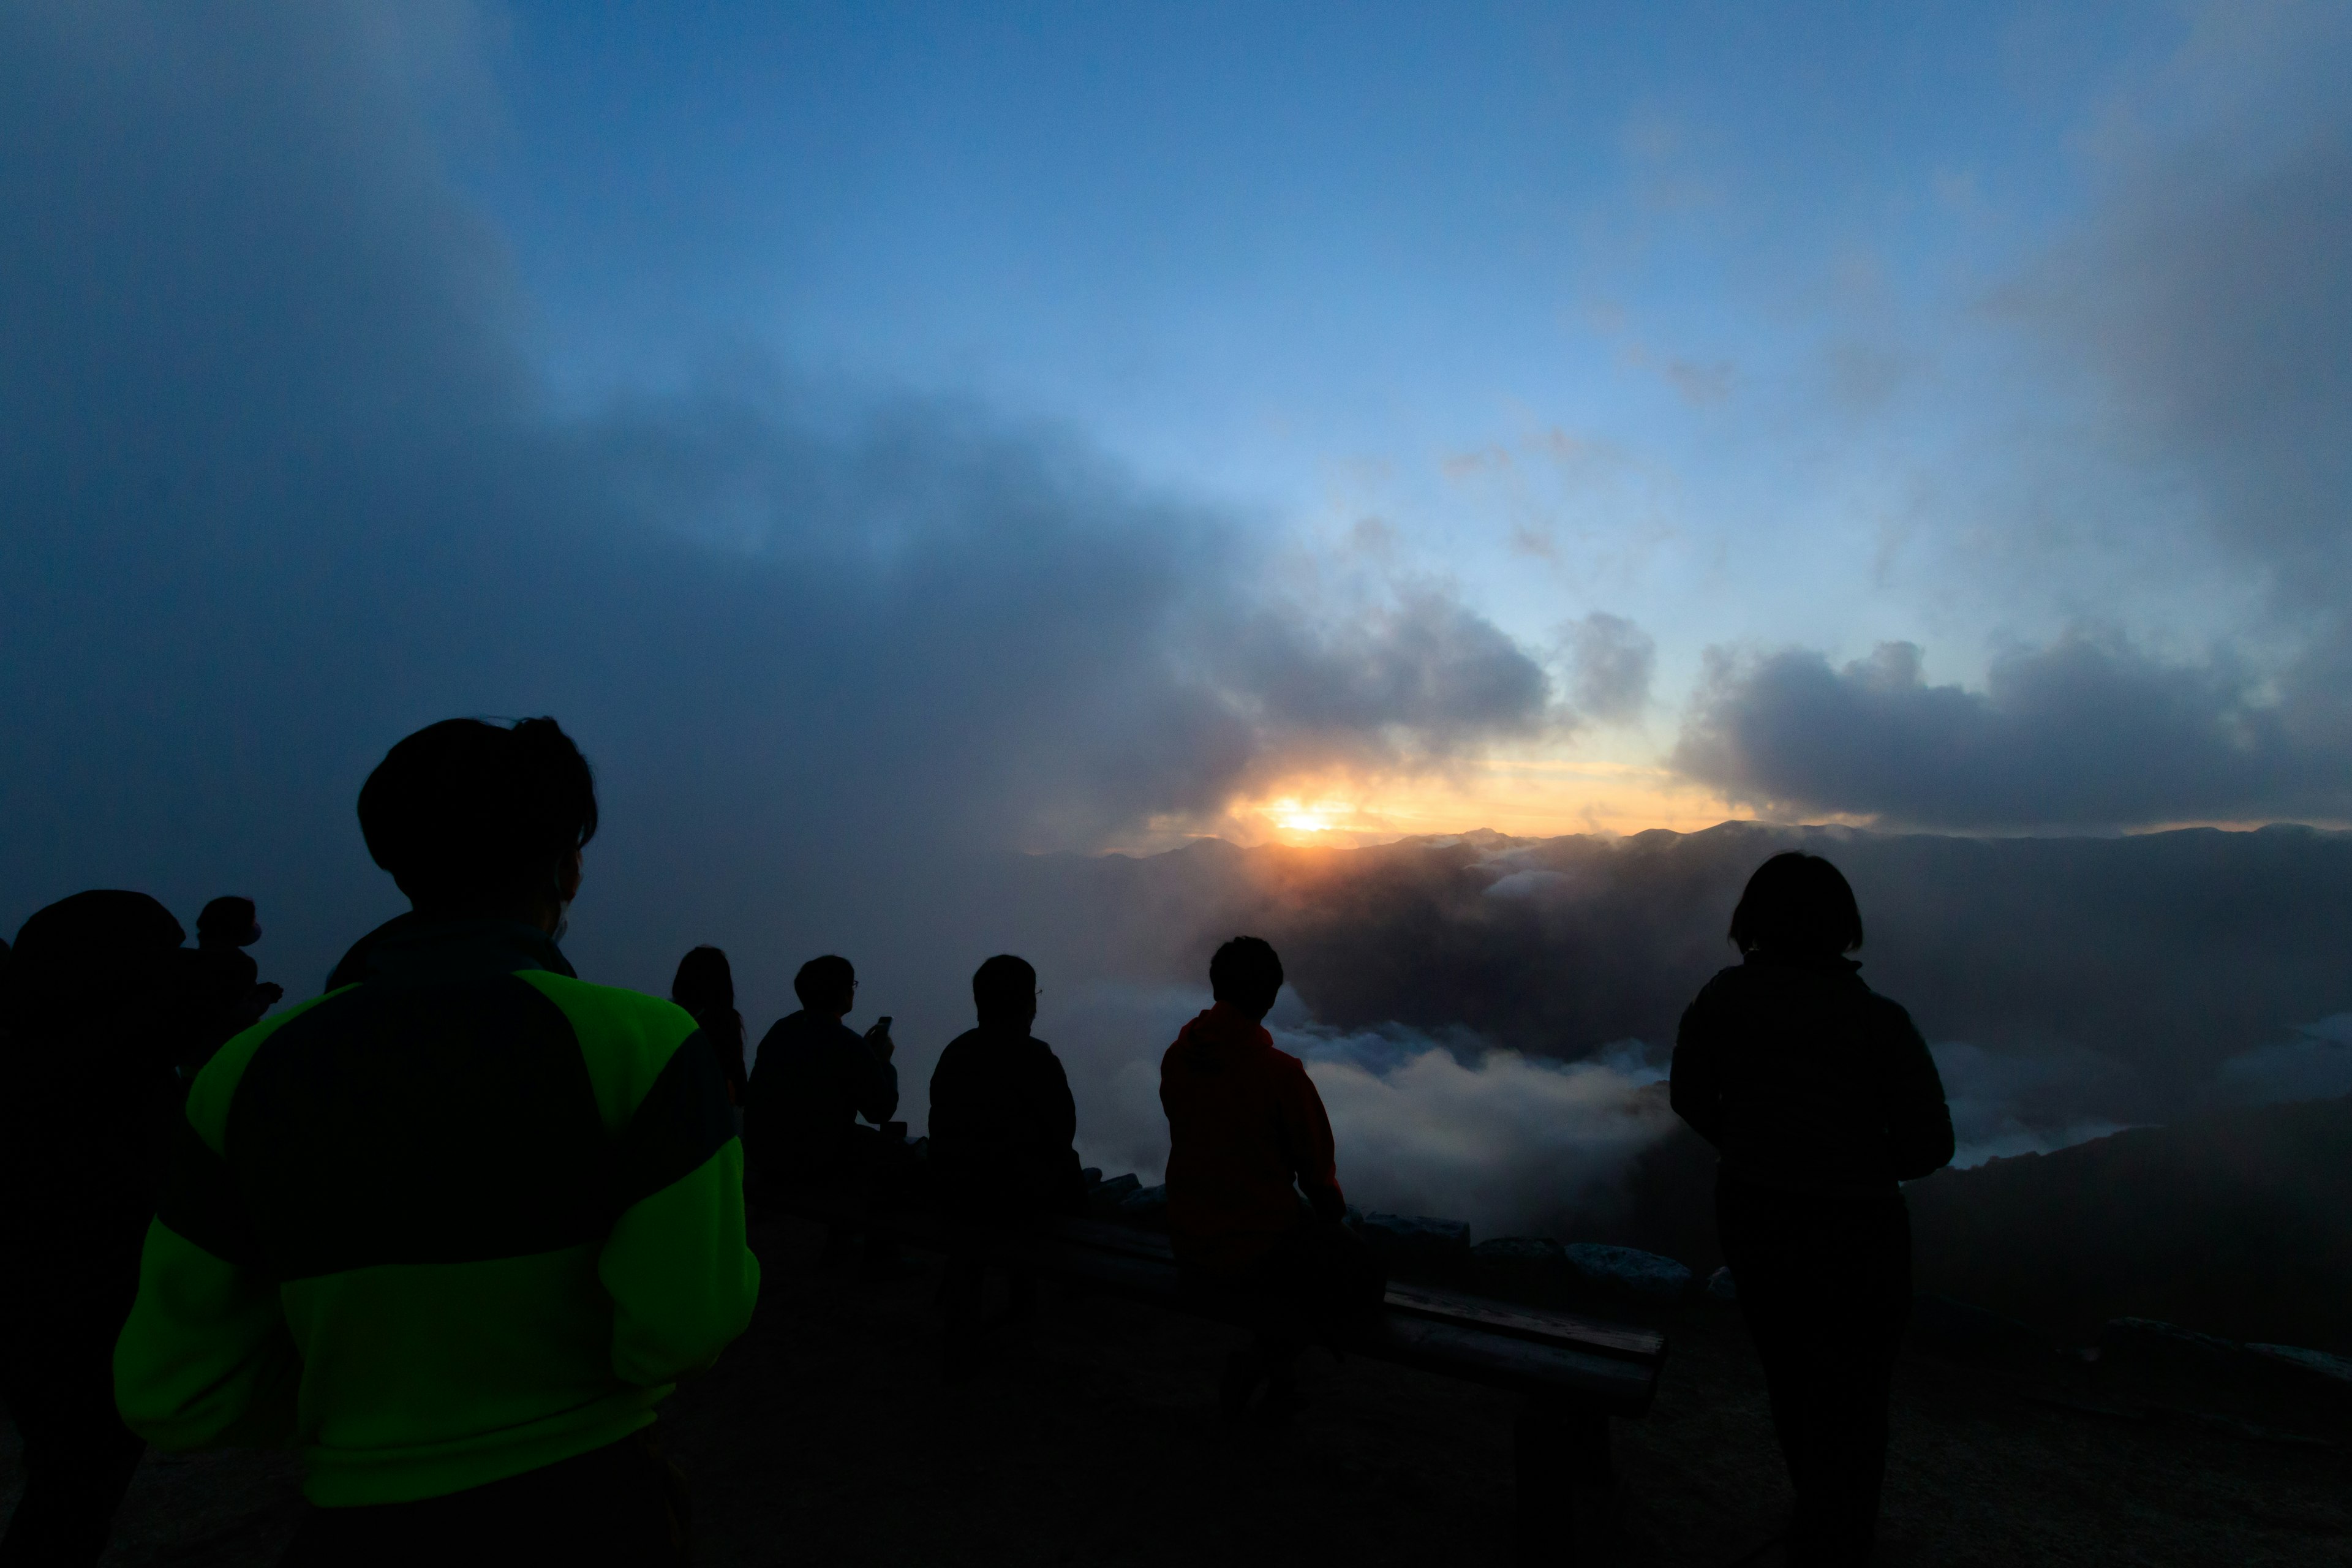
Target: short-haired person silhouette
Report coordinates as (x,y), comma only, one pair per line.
(705,986)
(812,1077)
(1821,1096)
(456,1228)
(89,1029)
(1002,1126)
(1254,1198)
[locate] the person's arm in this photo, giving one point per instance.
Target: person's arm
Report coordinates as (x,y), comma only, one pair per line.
(205,1359)
(1694,1085)
(682,1279)
(1307,1139)
(877,1084)
(1058,1109)
(1918,1120)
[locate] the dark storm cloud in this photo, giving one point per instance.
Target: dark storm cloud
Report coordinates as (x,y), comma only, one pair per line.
(2088,732)
(278,484)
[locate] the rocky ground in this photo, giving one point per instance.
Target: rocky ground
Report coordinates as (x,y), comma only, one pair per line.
(824,1438)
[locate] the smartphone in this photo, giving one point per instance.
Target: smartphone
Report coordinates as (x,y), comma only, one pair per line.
(882,1023)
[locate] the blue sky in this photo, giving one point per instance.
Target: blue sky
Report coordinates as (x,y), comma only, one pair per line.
(1736,321)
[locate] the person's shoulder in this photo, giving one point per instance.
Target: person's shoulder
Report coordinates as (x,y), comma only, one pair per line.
(1281,1063)
(961,1046)
(214,1089)
(1886,1013)
(788,1028)
(607,1010)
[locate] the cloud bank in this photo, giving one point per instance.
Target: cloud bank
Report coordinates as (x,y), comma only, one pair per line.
(280,481)
(2197,320)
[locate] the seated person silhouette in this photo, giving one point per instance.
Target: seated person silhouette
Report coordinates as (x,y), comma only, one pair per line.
(1821,1096)
(230,995)
(1001,1125)
(1254,1199)
(812,1078)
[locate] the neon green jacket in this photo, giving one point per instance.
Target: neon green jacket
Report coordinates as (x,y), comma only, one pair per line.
(462,1219)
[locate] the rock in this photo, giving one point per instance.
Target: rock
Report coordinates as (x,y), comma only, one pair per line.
(2147,1340)
(1523,1267)
(1104,1197)
(2313,1370)
(1628,1273)
(1419,1246)
(1721,1285)
(1146,1208)
(1957,1332)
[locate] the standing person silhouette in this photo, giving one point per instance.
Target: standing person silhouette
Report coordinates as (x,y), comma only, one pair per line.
(88,1100)
(1254,1198)
(454,1229)
(705,986)
(230,994)
(1820,1096)
(1002,1125)
(812,1077)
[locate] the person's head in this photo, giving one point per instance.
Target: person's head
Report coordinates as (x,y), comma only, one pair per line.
(704,982)
(102,962)
(476,818)
(1799,906)
(1005,991)
(826,984)
(1245,975)
(228,922)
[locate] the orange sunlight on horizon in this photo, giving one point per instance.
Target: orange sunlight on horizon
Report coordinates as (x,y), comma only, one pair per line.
(1523,797)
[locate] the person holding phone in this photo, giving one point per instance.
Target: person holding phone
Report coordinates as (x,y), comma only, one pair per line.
(812,1078)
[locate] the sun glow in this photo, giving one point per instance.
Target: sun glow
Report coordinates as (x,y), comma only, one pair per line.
(1533,797)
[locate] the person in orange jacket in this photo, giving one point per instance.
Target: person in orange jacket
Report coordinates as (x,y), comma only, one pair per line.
(1254,1198)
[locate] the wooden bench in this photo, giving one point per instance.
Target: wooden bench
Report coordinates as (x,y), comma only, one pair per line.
(1574,1373)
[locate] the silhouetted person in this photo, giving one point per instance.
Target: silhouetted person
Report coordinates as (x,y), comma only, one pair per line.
(705,986)
(94,1011)
(1821,1096)
(1002,1126)
(1002,1120)
(456,1229)
(1254,1199)
(812,1078)
(230,996)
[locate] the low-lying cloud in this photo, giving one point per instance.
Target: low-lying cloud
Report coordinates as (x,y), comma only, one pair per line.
(2089,733)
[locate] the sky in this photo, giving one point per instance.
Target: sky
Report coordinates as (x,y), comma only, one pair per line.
(1777,336)
(1096,428)
(898,439)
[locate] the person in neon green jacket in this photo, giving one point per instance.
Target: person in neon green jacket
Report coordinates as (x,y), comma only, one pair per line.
(455,1227)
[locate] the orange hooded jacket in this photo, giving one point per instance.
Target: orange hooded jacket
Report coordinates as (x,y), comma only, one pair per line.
(1243,1123)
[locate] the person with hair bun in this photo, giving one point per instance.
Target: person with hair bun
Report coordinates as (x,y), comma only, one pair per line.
(1821,1097)
(454,1229)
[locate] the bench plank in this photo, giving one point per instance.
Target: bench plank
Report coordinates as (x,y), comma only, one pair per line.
(1529,1323)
